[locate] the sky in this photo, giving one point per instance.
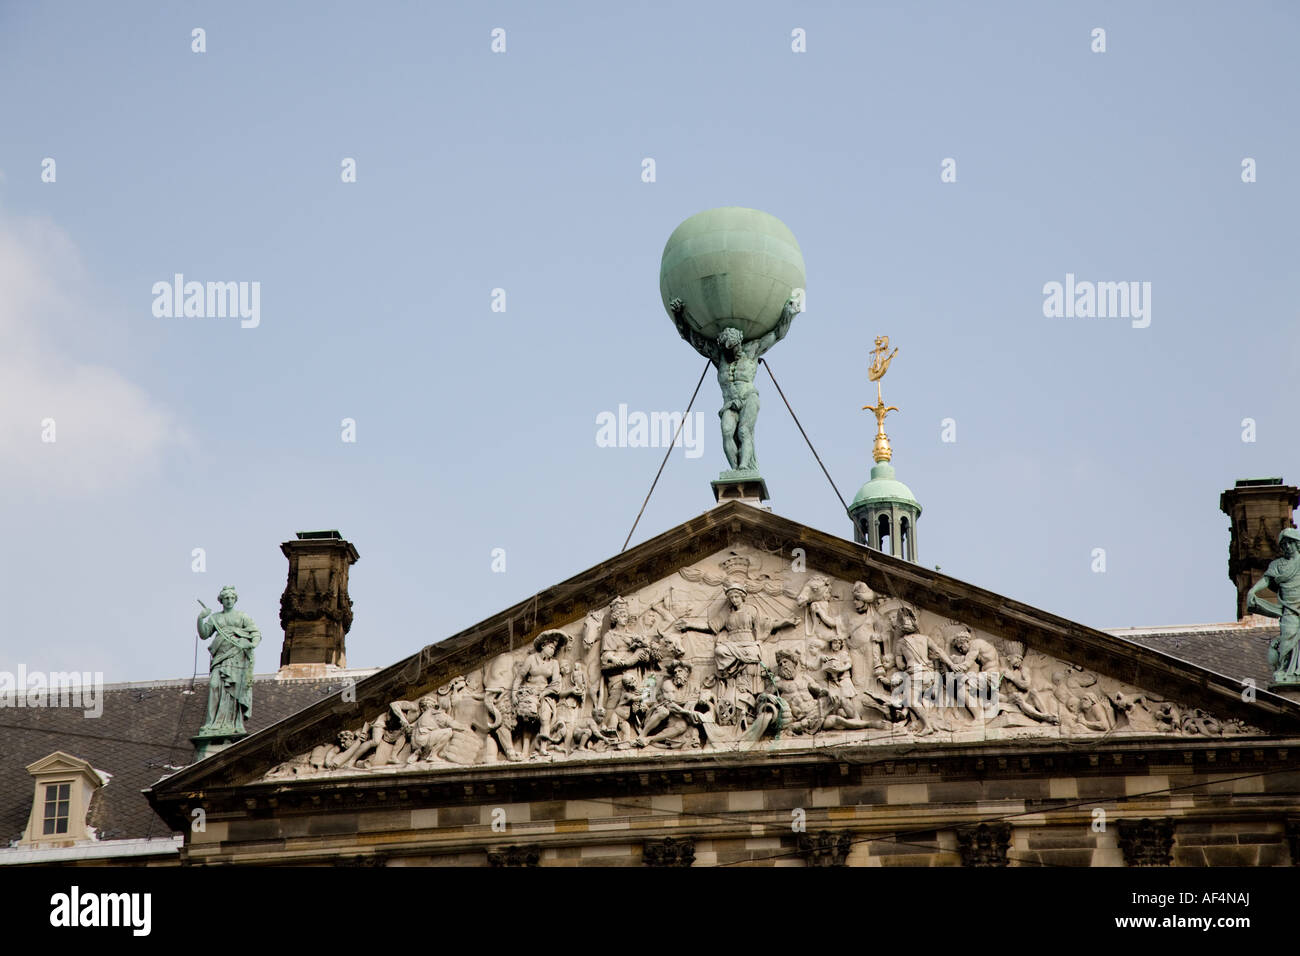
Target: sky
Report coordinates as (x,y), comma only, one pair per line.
(523,170)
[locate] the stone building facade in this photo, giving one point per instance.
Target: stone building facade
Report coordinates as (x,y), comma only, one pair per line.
(744,690)
(739,690)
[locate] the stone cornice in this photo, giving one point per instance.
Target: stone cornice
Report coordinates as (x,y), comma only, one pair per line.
(812,768)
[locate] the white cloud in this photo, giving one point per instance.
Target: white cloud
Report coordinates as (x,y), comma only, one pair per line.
(108,431)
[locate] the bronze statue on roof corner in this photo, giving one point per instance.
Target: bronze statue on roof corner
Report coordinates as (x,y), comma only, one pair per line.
(1283,578)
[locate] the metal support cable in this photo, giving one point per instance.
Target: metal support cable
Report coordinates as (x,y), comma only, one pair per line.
(671,445)
(805,435)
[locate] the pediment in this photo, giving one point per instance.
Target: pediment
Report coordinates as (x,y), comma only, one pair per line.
(60,762)
(742,632)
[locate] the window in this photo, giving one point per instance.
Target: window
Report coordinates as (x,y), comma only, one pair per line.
(63,788)
(905,539)
(882,524)
(58,797)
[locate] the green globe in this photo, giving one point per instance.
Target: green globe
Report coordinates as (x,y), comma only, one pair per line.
(732,266)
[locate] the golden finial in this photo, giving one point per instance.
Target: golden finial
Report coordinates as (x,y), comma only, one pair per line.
(879,366)
(880,361)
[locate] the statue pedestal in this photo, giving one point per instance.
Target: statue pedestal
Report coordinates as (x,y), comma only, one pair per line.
(210,743)
(750,489)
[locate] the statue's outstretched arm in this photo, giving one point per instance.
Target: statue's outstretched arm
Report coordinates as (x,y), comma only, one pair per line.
(780,624)
(937,653)
(693,624)
(788,312)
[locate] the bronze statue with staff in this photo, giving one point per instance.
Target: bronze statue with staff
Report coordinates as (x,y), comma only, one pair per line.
(230,678)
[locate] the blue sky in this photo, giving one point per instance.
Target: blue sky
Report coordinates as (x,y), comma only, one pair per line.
(522,171)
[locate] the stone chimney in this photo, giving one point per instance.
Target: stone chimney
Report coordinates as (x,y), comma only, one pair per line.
(315,610)
(1259,509)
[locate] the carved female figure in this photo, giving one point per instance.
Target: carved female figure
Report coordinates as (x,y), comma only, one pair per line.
(736,655)
(536,688)
(623,649)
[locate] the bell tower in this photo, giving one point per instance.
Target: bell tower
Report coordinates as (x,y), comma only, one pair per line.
(884,512)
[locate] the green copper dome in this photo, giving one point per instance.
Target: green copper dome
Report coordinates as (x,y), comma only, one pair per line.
(884,488)
(734,267)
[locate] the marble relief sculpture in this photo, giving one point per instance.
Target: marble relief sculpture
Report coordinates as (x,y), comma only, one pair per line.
(624,652)
(915,676)
(536,690)
(431,730)
(738,654)
(678,717)
(799,705)
(869,642)
(1016,698)
(737,631)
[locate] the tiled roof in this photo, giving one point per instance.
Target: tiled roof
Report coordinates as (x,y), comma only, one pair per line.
(143,734)
(1238,650)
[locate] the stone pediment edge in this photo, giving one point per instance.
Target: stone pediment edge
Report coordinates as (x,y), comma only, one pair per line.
(721,527)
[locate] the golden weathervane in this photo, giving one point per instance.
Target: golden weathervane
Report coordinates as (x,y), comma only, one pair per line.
(880,359)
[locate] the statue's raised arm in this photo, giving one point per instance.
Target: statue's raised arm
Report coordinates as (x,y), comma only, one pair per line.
(705,346)
(788,312)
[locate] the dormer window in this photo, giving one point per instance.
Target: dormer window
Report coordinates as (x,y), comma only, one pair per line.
(61,799)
